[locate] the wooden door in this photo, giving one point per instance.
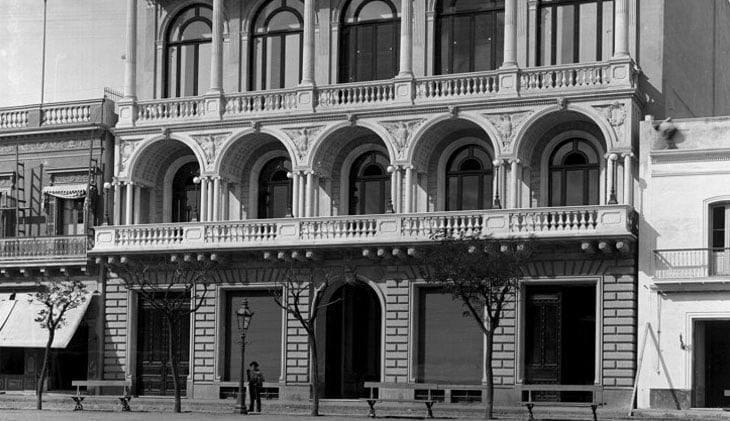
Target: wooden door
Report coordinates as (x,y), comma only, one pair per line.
(543,337)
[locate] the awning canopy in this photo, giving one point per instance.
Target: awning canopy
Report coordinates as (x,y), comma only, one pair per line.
(66,191)
(18,328)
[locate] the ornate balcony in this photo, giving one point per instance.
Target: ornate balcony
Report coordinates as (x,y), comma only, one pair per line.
(61,251)
(524,84)
(691,264)
(583,223)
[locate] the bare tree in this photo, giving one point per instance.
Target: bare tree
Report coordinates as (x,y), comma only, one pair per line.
(57,298)
(483,274)
(176,288)
(303,285)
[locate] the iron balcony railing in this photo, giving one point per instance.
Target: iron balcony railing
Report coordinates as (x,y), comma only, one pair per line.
(46,251)
(691,263)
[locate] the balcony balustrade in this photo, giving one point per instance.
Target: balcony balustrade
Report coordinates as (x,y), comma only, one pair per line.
(55,115)
(442,89)
(691,263)
(43,251)
(566,223)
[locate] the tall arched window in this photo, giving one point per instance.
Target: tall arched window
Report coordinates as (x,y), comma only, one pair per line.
(369,181)
(370,41)
(187,52)
(276,49)
(186,194)
(574,174)
(574,31)
(469,179)
(470,35)
(275,189)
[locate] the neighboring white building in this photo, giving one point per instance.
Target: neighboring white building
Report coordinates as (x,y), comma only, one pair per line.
(684,263)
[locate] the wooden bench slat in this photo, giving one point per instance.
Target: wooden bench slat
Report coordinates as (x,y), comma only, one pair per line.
(97,383)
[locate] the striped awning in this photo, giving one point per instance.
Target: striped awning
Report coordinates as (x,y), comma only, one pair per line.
(66,191)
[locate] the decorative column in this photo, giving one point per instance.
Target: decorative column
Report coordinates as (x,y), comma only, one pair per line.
(628,179)
(510,33)
(300,200)
(399,189)
(611,178)
(294,177)
(216,199)
(393,189)
(225,201)
(130,57)
(406,39)
(514,183)
(117,203)
(129,204)
(216,50)
(309,206)
(203,199)
(621,34)
(137,203)
(211,194)
(308,52)
(408,207)
(497,203)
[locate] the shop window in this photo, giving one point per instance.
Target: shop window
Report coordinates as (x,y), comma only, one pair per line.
(277,45)
(187,52)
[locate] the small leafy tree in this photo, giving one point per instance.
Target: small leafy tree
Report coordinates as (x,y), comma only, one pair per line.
(57,299)
(176,288)
(302,287)
(483,274)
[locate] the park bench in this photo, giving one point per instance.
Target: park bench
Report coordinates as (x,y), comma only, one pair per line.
(125,385)
(559,395)
(429,400)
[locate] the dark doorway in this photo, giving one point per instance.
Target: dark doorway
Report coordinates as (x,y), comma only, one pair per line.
(711,367)
(352,345)
(154,376)
(71,363)
(560,335)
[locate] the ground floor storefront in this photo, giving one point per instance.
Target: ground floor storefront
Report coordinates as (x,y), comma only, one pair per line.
(572,322)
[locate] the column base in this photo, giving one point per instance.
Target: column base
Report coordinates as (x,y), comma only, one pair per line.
(509,81)
(215,105)
(623,72)
(127,111)
(405,89)
(306,97)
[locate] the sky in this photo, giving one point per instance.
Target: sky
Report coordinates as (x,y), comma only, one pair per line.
(84,49)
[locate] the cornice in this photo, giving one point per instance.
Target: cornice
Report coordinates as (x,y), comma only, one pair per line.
(689,155)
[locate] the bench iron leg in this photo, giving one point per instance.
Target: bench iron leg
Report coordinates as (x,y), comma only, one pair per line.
(593,407)
(429,412)
(529,409)
(371,402)
(78,400)
(125,403)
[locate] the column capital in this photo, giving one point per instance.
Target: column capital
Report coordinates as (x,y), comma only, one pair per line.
(515,161)
(611,156)
(497,162)
(628,155)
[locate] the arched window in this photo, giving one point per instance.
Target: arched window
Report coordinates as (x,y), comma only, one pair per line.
(276,49)
(720,238)
(574,31)
(369,181)
(370,41)
(187,52)
(574,174)
(275,189)
(186,194)
(470,35)
(469,179)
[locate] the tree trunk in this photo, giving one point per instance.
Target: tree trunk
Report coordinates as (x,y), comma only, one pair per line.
(44,369)
(172,355)
(490,375)
(315,373)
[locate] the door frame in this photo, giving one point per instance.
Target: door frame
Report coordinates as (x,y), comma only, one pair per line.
(321,321)
(690,319)
(521,319)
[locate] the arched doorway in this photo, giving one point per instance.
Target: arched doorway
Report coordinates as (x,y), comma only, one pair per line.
(352,332)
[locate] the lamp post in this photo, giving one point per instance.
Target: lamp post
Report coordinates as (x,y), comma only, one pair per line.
(243,317)
(107,189)
(196,180)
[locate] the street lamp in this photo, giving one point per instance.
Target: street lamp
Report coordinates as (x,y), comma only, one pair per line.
(243,317)
(107,189)
(197,181)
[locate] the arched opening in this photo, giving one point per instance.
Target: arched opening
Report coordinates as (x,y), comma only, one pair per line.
(276,50)
(369,181)
(187,52)
(186,194)
(469,179)
(370,41)
(470,35)
(275,189)
(350,339)
(574,174)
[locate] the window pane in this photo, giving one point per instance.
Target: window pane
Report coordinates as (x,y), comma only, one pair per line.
(546,21)
(574,188)
(564,41)
(588,28)
(462,44)
(607,42)
(594,187)
(203,68)
(498,43)
(484,43)
(556,190)
(442,58)
(292,57)
(364,59)
(453,189)
(273,62)
(487,187)
(197,30)
(386,51)
(284,21)
(373,198)
(375,10)
(172,72)
(187,70)
(279,201)
(258,54)
(470,192)
(718,226)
